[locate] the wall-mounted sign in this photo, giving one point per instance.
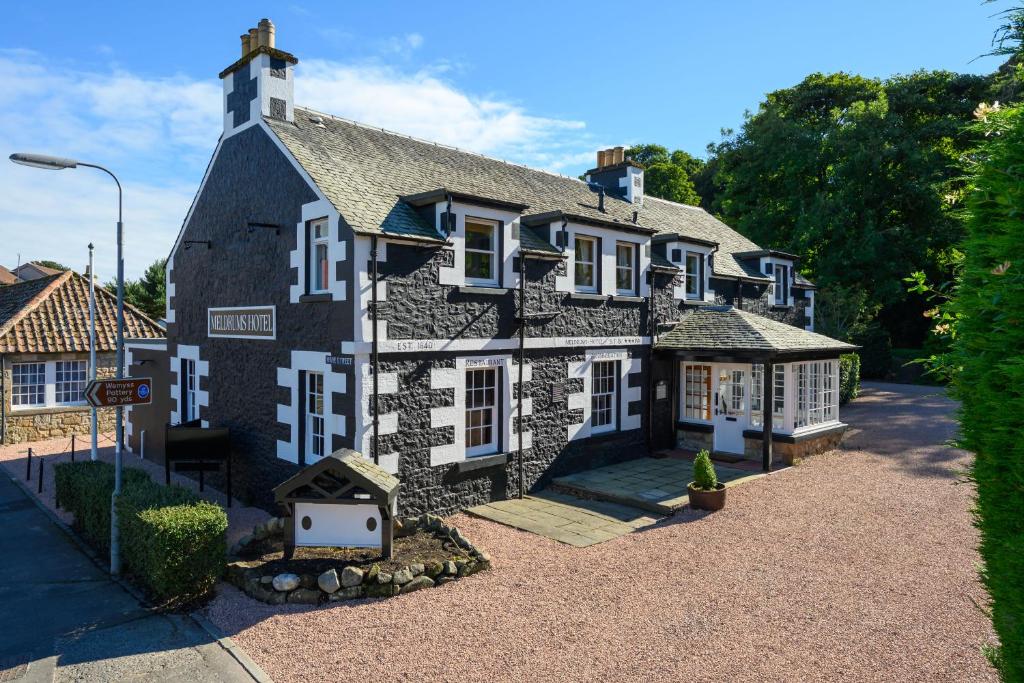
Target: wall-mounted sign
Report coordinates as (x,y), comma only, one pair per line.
(252,322)
(339,360)
(661,390)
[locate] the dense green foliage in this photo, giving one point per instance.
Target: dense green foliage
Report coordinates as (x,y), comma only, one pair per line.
(984,320)
(52,264)
(149,293)
(668,176)
(849,377)
(171,541)
(704,476)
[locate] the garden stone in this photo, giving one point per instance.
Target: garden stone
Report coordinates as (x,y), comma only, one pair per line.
(267,580)
(245,540)
(371,576)
(304,596)
(328,581)
(433,568)
(484,559)
(417,583)
(416,568)
(441,580)
(402,576)
(277,598)
(466,569)
(259,532)
(450,568)
(286,582)
(381,590)
(384,577)
(351,576)
(307,581)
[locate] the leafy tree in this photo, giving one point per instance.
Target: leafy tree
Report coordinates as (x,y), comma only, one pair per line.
(981,316)
(860,176)
(668,176)
(147,294)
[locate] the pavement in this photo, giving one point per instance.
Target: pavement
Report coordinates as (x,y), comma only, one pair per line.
(65,619)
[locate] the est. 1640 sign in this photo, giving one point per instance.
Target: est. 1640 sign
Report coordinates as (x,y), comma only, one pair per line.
(106,393)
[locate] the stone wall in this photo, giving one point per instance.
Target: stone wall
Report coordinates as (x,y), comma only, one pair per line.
(695,441)
(37,424)
(792,453)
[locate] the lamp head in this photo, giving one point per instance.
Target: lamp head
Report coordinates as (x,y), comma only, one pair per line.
(43,161)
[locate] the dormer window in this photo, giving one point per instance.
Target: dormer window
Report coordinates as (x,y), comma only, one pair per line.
(625,268)
(481,252)
(318,261)
(586,264)
(694,275)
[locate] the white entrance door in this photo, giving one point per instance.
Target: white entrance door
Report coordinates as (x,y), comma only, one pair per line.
(730,414)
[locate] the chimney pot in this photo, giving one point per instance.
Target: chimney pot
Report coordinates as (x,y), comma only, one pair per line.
(620,155)
(600,158)
(245,44)
(266,32)
(254,39)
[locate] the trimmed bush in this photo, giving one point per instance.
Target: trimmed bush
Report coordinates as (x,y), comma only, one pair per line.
(849,377)
(704,476)
(172,543)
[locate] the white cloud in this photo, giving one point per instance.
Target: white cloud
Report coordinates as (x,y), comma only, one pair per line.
(158,133)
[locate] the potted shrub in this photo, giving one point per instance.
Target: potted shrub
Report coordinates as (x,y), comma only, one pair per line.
(706,492)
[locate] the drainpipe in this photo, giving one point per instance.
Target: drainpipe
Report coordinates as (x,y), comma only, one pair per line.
(374,362)
(652,305)
(3,399)
(522,360)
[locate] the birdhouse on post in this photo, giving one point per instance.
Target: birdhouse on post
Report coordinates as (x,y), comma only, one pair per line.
(343,500)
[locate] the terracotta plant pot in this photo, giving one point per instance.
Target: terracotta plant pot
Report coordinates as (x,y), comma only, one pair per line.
(706,500)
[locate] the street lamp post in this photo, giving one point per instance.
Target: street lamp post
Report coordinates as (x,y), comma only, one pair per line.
(94,430)
(56,164)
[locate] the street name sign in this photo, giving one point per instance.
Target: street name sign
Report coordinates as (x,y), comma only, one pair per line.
(106,393)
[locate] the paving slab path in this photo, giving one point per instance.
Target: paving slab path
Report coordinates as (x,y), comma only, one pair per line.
(64,619)
(859,565)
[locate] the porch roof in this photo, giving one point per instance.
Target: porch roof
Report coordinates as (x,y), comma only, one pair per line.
(724,330)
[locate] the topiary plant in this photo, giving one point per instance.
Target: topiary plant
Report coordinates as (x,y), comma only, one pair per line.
(704,476)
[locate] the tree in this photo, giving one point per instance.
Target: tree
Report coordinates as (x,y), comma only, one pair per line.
(149,293)
(860,176)
(52,264)
(668,176)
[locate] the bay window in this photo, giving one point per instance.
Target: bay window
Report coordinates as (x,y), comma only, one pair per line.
(586,264)
(625,268)
(817,395)
(481,252)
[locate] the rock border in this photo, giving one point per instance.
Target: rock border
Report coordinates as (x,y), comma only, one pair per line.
(354,583)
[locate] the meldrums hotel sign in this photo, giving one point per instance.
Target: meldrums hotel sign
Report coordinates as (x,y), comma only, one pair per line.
(252,322)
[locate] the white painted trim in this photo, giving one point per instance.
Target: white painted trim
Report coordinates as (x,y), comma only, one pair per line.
(508,247)
(193,353)
(606,269)
(288,378)
(809,311)
(485,344)
(679,293)
(582,400)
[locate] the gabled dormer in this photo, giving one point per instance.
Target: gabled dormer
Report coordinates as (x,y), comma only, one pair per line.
(780,266)
(694,257)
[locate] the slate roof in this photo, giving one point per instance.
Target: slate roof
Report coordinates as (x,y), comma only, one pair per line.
(724,328)
(7,277)
(51,315)
(364,172)
(344,464)
(38,270)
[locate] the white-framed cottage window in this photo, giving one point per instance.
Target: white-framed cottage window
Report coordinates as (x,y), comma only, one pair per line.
(190,406)
(625,268)
(603,396)
(817,396)
(481,252)
(481,411)
(586,254)
(778,395)
(781,288)
(28,385)
(693,275)
(319,265)
(314,409)
(71,378)
(697,392)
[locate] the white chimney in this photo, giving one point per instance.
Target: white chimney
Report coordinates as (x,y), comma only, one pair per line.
(260,83)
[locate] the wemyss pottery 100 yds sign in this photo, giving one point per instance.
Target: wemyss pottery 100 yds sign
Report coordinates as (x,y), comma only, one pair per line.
(255,322)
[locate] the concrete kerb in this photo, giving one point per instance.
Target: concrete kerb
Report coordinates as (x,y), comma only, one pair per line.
(225,642)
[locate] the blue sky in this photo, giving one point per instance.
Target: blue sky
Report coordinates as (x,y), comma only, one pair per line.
(134,86)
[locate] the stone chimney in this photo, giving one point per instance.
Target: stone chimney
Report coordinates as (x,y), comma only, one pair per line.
(260,83)
(619,176)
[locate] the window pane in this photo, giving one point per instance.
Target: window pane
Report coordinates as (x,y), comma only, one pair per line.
(584,275)
(479,237)
(692,275)
(70,380)
(603,394)
(320,267)
(481,403)
(478,265)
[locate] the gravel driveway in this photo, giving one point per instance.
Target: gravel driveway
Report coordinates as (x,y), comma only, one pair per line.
(856,565)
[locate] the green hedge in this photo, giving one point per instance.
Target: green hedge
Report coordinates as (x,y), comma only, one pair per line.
(849,377)
(172,542)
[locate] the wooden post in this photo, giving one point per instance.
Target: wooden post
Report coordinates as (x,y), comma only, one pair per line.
(289,533)
(767,377)
(28,466)
(387,532)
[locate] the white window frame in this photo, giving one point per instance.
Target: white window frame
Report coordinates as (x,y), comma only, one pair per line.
(692,277)
(489,447)
(189,390)
(492,280)
(779,273)
(315,421)
(816,387)
(319,238)
(594,264)
(611,395)
(778,396)
(70,392)
(35,370)
(696,375)
(630,267)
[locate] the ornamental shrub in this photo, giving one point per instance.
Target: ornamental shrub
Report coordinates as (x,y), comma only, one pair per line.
(985,320)
(849,377)
(704,476)
(171,542)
